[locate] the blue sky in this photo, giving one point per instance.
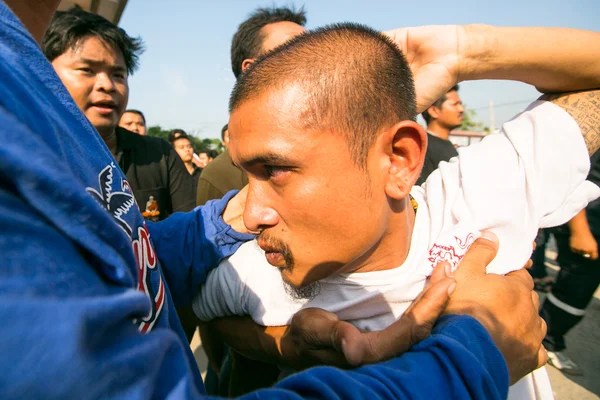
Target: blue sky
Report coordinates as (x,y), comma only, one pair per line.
(185,74)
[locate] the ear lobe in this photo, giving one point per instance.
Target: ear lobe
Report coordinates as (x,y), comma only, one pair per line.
(247,63)
(408,142)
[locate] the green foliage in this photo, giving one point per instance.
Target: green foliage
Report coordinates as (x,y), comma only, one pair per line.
(197,143)
(469,123)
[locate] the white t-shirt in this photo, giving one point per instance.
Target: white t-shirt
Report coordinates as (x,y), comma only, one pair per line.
(530,175)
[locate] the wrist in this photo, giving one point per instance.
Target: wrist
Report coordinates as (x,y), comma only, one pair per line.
(476,51)
(581,234)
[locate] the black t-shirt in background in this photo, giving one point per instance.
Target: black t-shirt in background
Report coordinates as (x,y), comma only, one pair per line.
(437,150)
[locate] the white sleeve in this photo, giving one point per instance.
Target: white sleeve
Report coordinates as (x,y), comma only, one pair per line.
(531,174)
(223,292)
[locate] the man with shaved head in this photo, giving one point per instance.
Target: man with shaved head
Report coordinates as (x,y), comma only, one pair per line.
(325,128)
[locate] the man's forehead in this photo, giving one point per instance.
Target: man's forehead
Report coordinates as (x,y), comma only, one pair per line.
(278,33)
(132,116)
(453,96)
(90,48)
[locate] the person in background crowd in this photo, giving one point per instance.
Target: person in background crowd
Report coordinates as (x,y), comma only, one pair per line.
(263,30)
(175,133)
(185,150)
(206,156)
(94,59)
(442,117)
(225,136)
(577,280)
(133,121)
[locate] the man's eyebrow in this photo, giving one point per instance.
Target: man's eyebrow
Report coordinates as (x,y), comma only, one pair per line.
(116,67)
(267,158)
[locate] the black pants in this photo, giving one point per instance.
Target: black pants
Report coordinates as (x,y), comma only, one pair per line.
(575,285)
(538,269)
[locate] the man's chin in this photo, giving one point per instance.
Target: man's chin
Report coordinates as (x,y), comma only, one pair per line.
(301,291)
(102,124)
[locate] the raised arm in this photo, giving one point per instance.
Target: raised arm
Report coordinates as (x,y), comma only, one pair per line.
(441,56)
(584,108)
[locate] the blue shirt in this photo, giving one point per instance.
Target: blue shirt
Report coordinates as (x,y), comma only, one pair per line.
(87,308)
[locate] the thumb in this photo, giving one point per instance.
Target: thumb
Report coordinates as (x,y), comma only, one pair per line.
(479,255)
(415,325)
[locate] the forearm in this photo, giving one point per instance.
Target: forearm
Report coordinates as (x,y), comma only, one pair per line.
(579,224)
(529,54)
(190,245)
(458,360)
(584,108)
(250,339)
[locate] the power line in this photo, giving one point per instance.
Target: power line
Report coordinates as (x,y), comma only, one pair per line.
(512,103)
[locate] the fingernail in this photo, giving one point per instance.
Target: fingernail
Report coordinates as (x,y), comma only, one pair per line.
(489,236)
(451,288)
(448,270)
(342,346)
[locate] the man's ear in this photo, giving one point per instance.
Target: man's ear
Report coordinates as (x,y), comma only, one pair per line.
(405,144)
(247,63)
(434,112)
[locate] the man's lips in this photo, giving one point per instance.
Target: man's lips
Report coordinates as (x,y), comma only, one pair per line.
(273,255)
(105,107)
(275,259)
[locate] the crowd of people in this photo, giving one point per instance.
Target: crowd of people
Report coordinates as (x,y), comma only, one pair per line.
(334,249)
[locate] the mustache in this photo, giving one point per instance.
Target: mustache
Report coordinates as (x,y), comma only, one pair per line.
(276,245)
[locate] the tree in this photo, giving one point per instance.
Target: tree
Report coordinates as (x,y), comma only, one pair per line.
(157,131)
(197,143)
(469,123)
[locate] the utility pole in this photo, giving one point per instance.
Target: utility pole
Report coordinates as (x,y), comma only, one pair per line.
(492,117)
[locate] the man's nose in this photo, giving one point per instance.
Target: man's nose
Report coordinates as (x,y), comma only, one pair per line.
(258,216)
(105,83)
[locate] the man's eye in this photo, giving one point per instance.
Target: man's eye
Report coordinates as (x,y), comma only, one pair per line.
(275,171)
(86,70)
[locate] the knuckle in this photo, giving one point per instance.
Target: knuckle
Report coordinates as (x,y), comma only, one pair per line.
(420,332)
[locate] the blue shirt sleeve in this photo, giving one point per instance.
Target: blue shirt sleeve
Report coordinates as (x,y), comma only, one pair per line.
(458,361)
(190,245)
(69,334)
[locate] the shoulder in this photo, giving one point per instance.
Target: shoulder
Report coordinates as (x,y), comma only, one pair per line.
(142,141)
(222,173)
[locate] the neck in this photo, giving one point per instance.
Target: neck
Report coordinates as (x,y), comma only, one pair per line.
(392,250)
(190,167)
(110,139)
(36,15)
(438,130)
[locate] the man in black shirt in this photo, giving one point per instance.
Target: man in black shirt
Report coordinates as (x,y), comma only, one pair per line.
(94,58)
(443,116)
(184,148)
(577,280)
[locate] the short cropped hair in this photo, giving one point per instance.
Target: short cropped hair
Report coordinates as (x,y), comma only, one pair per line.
(210,153)
(223,130)
(438,103)
(177,134)
(247,40)
(356,81)
(138,112)
(69,28)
